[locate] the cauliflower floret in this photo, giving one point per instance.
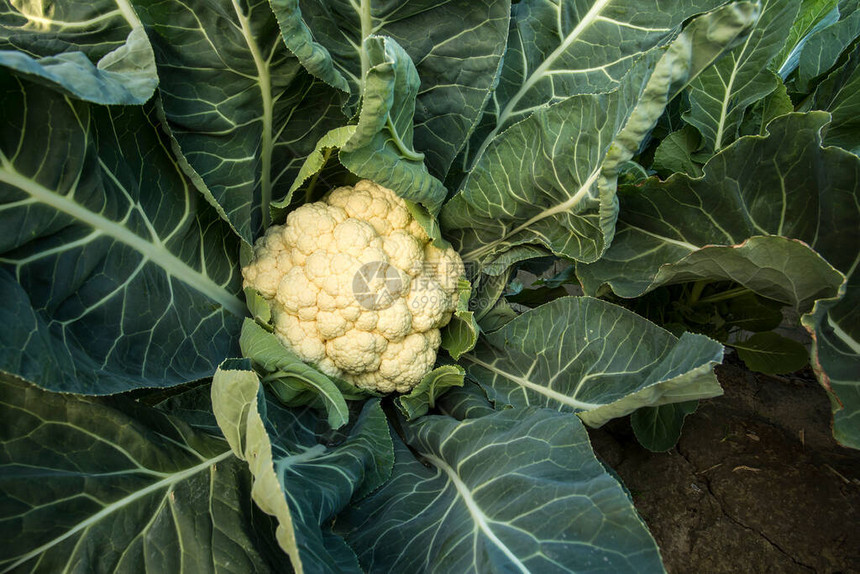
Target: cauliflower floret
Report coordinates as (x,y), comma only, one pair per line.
(356,288)
(404,251)
(356,351)
(395,322)
(428,303)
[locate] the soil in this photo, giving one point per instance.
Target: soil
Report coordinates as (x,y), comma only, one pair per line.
(755,485)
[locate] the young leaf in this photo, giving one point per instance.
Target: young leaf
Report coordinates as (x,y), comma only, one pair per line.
(584,355)
(108,484)
(513,491)
(456,45)
(242,111)
(294,382)
(434,384)
(381,148)
(659,428)
(303,475)
(114,266)
(461,334)
(675,153)
(771,353)
(96,51)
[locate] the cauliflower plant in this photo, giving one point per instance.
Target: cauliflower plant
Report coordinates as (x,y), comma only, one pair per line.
(356,287)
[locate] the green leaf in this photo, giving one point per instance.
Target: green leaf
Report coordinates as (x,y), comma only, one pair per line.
(536,183)
(461,334)
(95,51)
(118,274)
(313,165)
(775,104)
(703,40)
(550,179)
(242,111)
(434,384)
(675,153)
(294,382)
(561,49)
(466,402)
(587,356)
(647,257)
(722,93)
(839,94)
(824,47)
(803,196)
(304,474)
(772,353)
(779,228)
(513,491)
(813,15)
(659,428)
(835,328)
(111,485)
(752,313)
(456,45)
(259,307)
(381,148)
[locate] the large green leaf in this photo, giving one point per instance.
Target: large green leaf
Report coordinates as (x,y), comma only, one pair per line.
(579,354)
(835,328)
(774,213)
(561,48)
(839,94)
(720,95)
(456,45)
(779,214)
(107,485)
(95,50)
(513,491)
(242,110)
(303,472)
(825,46)
(537,183)
(550,179)
(812,16)
(116,273)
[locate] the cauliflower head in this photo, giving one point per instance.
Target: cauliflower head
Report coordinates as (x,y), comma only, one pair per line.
(357,288)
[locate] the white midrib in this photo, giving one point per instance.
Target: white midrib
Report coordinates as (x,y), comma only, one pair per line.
(478,515)
(539,72)
(115,506)
(129,14)
(549,393)
(366,19)
(267,142)
(158,254)
(570,203)
(724,109)
(852,343)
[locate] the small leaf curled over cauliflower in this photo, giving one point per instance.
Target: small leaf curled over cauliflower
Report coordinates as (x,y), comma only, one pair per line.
(357,288)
